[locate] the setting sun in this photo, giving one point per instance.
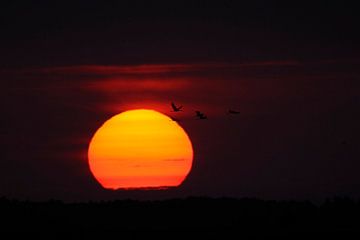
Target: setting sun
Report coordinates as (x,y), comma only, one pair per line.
(140,149)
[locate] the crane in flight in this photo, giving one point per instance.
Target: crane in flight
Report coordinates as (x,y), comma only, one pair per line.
(200,115)
(233,112)
(175,108)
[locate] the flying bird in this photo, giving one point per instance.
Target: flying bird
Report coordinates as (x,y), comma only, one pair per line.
(200,115)
(233,112)
(175,108)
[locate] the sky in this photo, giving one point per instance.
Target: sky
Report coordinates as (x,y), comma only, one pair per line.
(292,71)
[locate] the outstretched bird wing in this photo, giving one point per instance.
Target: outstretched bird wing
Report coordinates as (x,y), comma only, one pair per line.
(175,108)
(233,112)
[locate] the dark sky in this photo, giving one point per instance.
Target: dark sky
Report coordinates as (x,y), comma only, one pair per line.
(293,71)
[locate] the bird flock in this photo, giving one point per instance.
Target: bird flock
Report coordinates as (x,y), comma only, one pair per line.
(198,114)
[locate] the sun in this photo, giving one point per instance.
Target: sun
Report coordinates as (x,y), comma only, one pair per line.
(140,148)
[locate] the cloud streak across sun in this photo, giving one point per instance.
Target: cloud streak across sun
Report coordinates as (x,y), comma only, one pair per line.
(126,84)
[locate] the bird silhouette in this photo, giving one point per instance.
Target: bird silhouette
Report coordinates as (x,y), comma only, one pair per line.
(200,115)
(175,108)
(233,112)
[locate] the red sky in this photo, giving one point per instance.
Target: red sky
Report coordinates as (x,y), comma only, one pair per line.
(288,135)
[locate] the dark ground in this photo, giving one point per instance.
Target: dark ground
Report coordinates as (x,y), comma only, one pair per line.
(337,217)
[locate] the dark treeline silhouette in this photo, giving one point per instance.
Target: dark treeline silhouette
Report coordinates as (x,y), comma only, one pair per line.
(245,216)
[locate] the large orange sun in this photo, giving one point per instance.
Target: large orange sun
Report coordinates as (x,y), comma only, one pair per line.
(140,149)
